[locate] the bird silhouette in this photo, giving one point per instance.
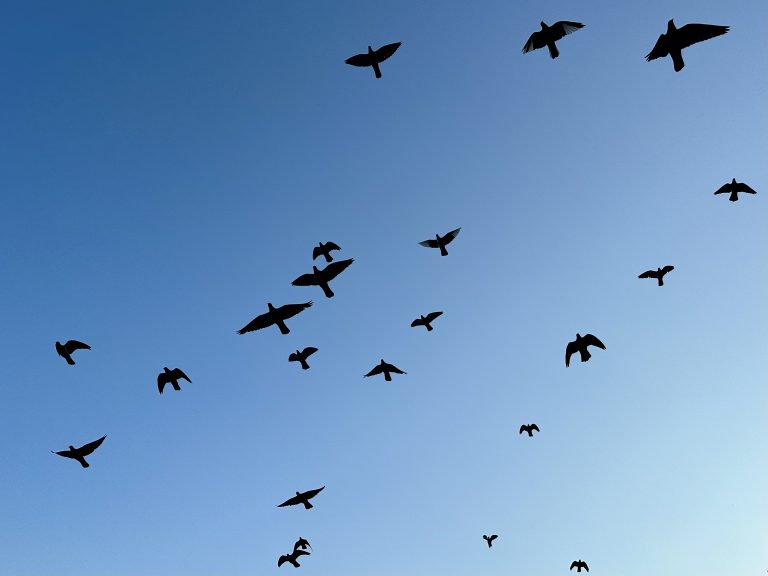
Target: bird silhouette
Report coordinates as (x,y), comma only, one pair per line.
(79,454)
(302,498)
(171,377)
(548,35)
(325,250)
(302,356)
(733,187)
(673,42)
(374,57)
(580,345)
(659,274)
(386,369)
(276,316)
(579,564)
(292,558)
(441,241)
(322,277)
(301,543)
(426,320)
(529,428)
(65,350)
(490,539)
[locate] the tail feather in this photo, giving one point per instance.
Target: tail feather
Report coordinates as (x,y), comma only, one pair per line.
(376,69)
(327,290)
(283,328)
(429,328)
(677,60)
(387,377)
(304,364)
(443,251)
(585,355)
(553,51)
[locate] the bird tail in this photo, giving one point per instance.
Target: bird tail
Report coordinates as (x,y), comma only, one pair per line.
(585,355)
(307,504)
(376,69)
(733,198)
(661,281)
(304,364)
(429,328)
(282,326)
(328,257)
(69,360)
(83,463)
(443,251)
(553,51)
(677,60)
(327,290)
(176,386)
(387,377)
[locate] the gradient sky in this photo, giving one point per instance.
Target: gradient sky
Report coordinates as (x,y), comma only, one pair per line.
(166,169)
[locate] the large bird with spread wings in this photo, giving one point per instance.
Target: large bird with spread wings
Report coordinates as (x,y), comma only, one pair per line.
(733,188)
(324,249)
(548,35)
(441,241)
(386,369)
(374,57)
(426,321)
(79,454)
(673,42)
(658,274)
(323,277)
(171,377)
(580,345)
(579,564)
(302,498)
(276,316)
(65,350)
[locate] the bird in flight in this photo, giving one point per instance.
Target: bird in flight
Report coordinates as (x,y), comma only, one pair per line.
(441,241)
(301,543)
(548,35)
(673,42)
(490,539)
(302,356)
(659,274)
(325,250)
(302,498)
(374,57)
(426,320)
(276,316)
(386,369)
(322,277)
(580,345)
(292,558)
(579,564)
(79,454)
(171,377)
(733,187)
(529,428)
(65,350)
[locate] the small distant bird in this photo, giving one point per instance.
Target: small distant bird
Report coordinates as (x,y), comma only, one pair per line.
(322,277)
(302,356)
(579,564)
(441,241)
(659,274)
(529,428)
(325,250)
(301,543)
(580,345)
(292,558)
(548,35)
(673,42)
(386,369)
(374,57)
(65,350)
(171,377)
(490,539)
(426,320)
(276,316)
(79,454)
(733,187)
(302,498)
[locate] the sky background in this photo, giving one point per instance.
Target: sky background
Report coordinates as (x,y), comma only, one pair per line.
(166,169)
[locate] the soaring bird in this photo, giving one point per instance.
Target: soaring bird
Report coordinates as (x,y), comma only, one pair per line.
(386,369)
(171,377)
(322,277)
(325,250)
(374,57)
(490,539)
(79,454)
(441,241)
(529,428)
(673,42)
(276,316)
(580,345)
(65,350)
(579,564)
(659,274)
(733,187)
(292,558)
(426,320)
(301,543)
(548,35)
(302,356)
(302,498)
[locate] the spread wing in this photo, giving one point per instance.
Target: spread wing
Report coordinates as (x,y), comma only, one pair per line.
(740,187)
(660,50)
(335,268)
(574,564)
(649,274)
(536,41)
(332,246)
(534,427)
(73,345)
(569,350)
(282,560)
(448,238)
(359,60)
(305,280)
(393,368)
(429,243)
(563,28)
(667,269)
(590,340)
(432,315)
(378,369)
(386,51)
(312,493)
(308,351)
(162,380)
(724,189)
(257,323)
(91,446)
(493,537)
(65,453)
(693,33)
(523,428)
(292,501)
(316,252)
(417,322)
(297,553)
(178,373)
(290,310)
(293,357)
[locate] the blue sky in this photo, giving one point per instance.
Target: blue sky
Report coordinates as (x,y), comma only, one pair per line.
(167,168)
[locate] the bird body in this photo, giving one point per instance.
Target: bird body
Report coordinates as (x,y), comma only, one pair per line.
(65,350)
(734,188)
(676,39)
(80,453)
(580,345)
(276,316)
(386,369)
(490,539)
(579,564)
(426,321)
(171,377)
(548,35)
(658,274)
(301,356)
(529,428)
(302,498)
(323,277)
(325,250)
(373,57)
(441,241)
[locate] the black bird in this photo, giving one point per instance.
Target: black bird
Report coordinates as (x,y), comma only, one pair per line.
(301,543)
(733,187)
(302,356)
(171,377)
(579,564)
(548,35)
(293,558)
(441,241)
(374,57)
(490,539)
(426,320)
(276,316)
(386,369)
(302,498)
(529,428)
(580,345)
(65,350)
(79,454)
(322,277)
(673,42)
(659,274)
(325,250)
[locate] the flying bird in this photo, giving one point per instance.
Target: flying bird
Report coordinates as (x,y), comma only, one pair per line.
(79,454)
(322,277)
(65,350)
(301,543)
(580,345)
(579,564)
(302,356)
(276,316)
(426,320)
(386,369)
(292,558)
(529,428)
(490,539)
(733,187)
(548,35)
(441,241)
(673,42)
(302,498)
(171,377)
(374,57)
(325,250)
(659,274)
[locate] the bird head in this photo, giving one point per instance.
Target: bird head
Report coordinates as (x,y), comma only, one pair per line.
(315,269)
(671,25)
(298,493)
(578,336)
(269,305)
(71,447)
(732,182)
(543,26)
(370,50)
(165,369)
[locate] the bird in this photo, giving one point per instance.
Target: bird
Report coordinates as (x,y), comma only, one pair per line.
(426,320)
(276,316)
(579,564)
(580,345)
(549,34)
(441,241)
(659,274)
(529,428)
(65,350)
(171,377)
(733,187)
(301,543)
(386,369)
(325,250)
(302,356)
(673,42)
(490,539)
(374,57)
(322,277)
(79,454)
(302,498)
(292,558)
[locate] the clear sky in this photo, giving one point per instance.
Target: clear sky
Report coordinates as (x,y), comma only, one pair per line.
(166,169)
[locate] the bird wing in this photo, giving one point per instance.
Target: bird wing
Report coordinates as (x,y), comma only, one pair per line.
(741,187)
(305,280)
(297,553)
(724,189)
(378,369)
(335,268)
(429,243)
(293,357)
(261,321)
(308,351)
(534,427)
(667,269)
(564,27)
(332,246)
(574,564)
(359,60)
(417,322)
(660,49)
(693,33)
(493,537)
(312,493)
(393,368)
(432,315)
(523,428)
(448,238)
(73,345)
(316,252)
(570,349)
(179,373)
(292,501)
(86,449)
(648,274)
(590,340)
(535,42)
(386,51)
(65,453)
(290,310)
(282,560)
